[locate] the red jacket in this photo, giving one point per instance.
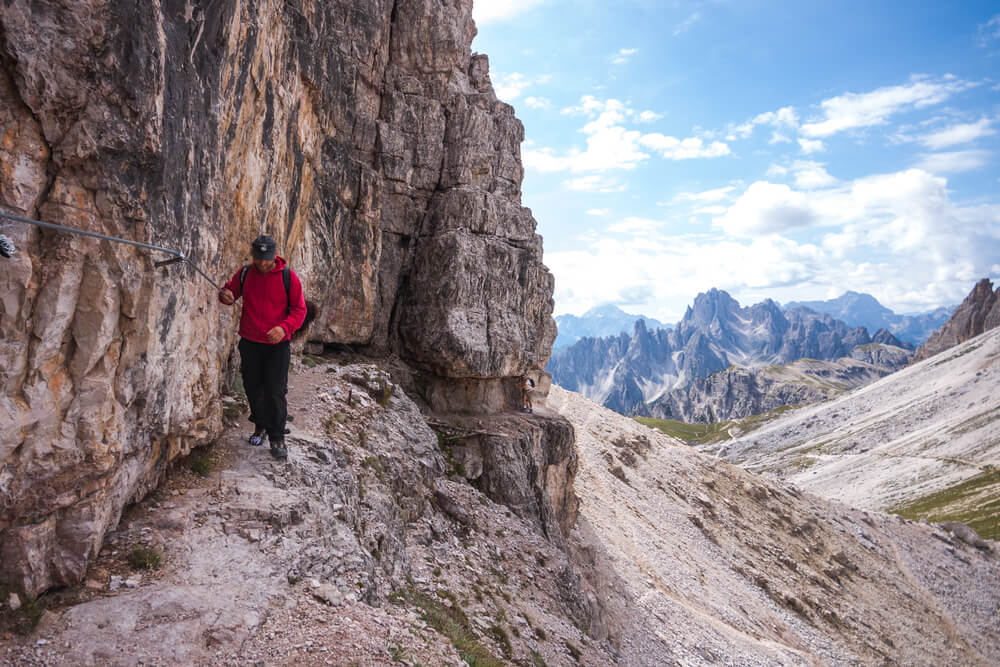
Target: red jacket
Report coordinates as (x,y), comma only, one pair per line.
(265,304)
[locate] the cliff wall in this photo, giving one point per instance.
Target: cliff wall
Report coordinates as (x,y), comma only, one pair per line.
(979,312)
(365,136)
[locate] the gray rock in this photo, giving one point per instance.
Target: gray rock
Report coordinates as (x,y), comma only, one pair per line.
(379,158)
(979,312)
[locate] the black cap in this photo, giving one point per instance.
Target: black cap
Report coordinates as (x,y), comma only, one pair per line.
(264,247)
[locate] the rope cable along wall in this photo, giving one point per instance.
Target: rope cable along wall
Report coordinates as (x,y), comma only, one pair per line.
(7,248)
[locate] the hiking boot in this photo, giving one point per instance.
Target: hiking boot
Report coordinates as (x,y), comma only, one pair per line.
(278,450)
(258,437)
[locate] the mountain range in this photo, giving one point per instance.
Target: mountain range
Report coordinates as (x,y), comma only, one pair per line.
(599,322)
(738,392)
(864,310)
(621,372)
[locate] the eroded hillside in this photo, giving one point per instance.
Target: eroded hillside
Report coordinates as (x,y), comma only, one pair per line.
(927,428)
(382,541)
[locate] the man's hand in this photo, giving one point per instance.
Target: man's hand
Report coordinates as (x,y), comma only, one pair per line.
(276,335)
(227,297)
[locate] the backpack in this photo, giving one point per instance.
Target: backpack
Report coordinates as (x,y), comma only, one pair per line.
(286,277)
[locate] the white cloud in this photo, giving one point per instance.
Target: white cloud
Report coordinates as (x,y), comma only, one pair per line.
(811,175)
(810,145)
(776,170)
(598,211)
(766,208)
(881,232)
(673,148)
(785,118)
(588,105)
(954,162)
(611,145)
(636,226)
(989,31)
(623,56)
(491,11)
(717,194)
(649,116)
(958,134)
(857,110)
(509,87)
(778,138)
(594,183)
(686,24)
(545,160)
(537,102)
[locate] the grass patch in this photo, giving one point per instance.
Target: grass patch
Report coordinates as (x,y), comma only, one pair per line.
(713,432)
(144,558)
(453,624)
(312,361)
(974,502)
(701,434)
(201,466)
(500,636)
(537,660)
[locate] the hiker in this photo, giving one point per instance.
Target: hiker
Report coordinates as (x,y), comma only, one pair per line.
(527,384)
(273,308)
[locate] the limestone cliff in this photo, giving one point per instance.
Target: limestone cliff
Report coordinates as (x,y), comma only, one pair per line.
(364,135)
(978,313)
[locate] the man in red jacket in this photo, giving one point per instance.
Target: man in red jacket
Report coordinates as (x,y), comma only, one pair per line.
(272,310)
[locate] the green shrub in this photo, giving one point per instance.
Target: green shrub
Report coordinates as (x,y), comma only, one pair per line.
(201,466)
(144,558)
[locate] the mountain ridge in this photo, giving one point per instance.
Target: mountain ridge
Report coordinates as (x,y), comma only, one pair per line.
(861,309)
(599,322)
(715,332)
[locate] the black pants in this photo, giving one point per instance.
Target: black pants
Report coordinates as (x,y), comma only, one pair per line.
(264,369)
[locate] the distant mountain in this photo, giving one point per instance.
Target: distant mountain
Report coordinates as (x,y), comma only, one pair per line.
(738,392)
(599,322)
(979,313)
(623,371)
(864,310)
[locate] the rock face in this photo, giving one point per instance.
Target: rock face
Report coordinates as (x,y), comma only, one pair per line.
(978,313)
(623,372)
(364,136)
(739,392)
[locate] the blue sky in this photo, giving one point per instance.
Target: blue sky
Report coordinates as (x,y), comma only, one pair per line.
(791,150)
